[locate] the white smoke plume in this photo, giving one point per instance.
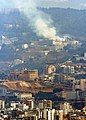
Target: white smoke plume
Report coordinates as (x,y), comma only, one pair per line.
(39,21)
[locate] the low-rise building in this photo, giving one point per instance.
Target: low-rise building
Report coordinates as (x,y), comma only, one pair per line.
(24,96)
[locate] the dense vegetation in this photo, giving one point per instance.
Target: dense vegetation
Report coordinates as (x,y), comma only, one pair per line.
(69,21)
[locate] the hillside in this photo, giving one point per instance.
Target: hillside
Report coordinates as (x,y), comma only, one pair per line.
(69,21)
(15,31)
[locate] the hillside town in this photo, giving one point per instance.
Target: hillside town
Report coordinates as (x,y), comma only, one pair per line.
(41,78)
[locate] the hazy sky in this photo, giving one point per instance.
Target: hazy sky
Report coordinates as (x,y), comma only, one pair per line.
(77,4)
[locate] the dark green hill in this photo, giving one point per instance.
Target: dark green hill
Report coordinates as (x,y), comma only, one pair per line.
(69,21)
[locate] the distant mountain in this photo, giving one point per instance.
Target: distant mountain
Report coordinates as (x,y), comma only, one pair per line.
(69,21)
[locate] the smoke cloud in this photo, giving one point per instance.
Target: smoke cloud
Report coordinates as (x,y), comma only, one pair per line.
(39,21)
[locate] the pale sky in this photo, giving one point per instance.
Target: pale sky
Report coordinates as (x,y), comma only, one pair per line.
(77,4)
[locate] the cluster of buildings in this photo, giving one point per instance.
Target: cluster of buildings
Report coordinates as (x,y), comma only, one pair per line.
(24,75)
(67,100)
(25,107)
(58,92)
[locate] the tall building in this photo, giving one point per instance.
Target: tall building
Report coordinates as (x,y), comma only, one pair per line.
(66,107)
(45,104)
(48,114)
(2,104)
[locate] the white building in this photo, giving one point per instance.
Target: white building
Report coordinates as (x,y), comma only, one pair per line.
(68,69)
(23,96)
(66,107)
(48,114)
(3,90)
